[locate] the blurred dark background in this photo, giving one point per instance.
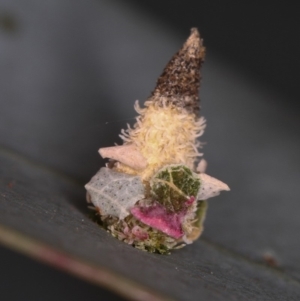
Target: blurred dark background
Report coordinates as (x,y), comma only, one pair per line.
(71,70)
(260,38)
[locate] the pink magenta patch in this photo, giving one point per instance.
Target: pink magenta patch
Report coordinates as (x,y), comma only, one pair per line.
(190,201)
(156,216)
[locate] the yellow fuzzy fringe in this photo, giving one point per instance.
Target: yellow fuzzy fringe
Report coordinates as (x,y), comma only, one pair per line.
(164,135)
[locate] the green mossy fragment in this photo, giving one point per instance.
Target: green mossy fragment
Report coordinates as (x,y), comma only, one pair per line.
(157,242)
(173,185)
(201,213)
